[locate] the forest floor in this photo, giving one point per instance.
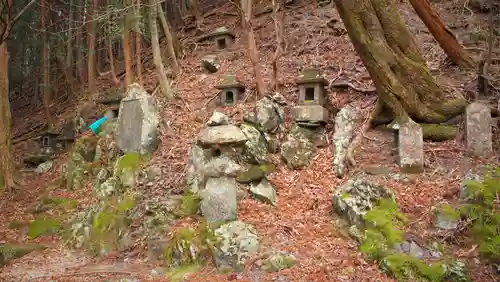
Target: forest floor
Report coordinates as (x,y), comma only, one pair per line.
(303,221)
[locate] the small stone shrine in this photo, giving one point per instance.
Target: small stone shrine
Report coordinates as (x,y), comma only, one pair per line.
(231,90)
(112,101)
(310,117)
(222,37)
(49,142)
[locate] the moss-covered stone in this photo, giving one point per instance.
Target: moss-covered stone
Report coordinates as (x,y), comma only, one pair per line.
(11,251)
(439,132)
(44,226)
(127,168)
(190,204)
(279,261)
(255,173)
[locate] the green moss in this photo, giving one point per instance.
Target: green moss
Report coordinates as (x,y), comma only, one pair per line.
(404,267)
(278,262)
(181,273)
(482,210)
(110,222)
(448,211)
(439,132)
(40,227)
(10,251)
(190,204)
(130,161)
(189,245)
(255,173)
(18,224)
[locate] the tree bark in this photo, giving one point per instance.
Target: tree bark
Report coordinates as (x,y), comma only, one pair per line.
(442,34)
(195,10)
(138,44)
(390,54)
(91,34)
(129,77)
(69,49)
(6,168)
(278,16)
(46,66)
(79,43)
(155,44)
(170,41)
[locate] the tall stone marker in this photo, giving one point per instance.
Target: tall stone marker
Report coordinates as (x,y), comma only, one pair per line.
(138,120)
(411,147)
(478,129)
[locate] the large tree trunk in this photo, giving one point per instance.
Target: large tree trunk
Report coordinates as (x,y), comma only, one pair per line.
(6,169)
(79,43)
(155,45)
(170,41)
(391,56)
(443,35)
(91,34)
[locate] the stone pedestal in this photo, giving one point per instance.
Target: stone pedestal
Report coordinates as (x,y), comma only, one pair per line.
(478,135)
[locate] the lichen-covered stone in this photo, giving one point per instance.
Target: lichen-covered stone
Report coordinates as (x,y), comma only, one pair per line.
(478,129)
(358,196)
(217,119)
(278,261)
(345,123)
(44,167)
(237,242)
(269,114)
(256,145)
(195,175)
(210,63)
(464,190)
(221,135)
(298,149)
(411,147)
(222,166)
(10,251)
(310,113)
(219,199)
(112,186)
(127,168)
(264,191)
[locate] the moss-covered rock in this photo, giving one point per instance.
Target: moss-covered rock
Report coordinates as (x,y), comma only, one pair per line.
(127,168)
(298,149)
(278,261)
(255,173)
(13,251)
(44,226)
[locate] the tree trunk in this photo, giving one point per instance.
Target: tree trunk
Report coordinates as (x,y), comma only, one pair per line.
(129,76)
(155,44)
(69,50)
(278,15)
(116,81)
(391,56)
(195,10)
(252,48)
(442,34)
(170,41)
(46,67)
(6,169)
(138,44)
(79,43)
(91,34)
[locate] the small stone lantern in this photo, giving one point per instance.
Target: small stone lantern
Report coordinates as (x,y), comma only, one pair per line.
(231,90)
(222,37)
(112,102)
(48,140)
(311,87)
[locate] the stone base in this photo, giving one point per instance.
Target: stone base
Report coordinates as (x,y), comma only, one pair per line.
(310,114)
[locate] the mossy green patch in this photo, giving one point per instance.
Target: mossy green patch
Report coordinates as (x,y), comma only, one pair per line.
(18,224)
(181,273)
(44,226)
(190,204)
(255,173)
(11,251)
(405,267)
(278,262)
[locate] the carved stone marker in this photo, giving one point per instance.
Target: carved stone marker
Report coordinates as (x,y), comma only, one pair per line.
(411,147)
(478,129)
(311,87)
(138,121)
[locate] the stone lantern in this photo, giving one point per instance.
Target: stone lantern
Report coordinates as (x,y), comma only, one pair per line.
(222,37)
(311,87)
(231,90)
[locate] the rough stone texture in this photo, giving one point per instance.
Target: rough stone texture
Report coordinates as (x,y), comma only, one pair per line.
(264,191)
(297,150)
(310,113)
(219,199)
(44,167)
(358,196)
(278,261)
(222,166)
(411,147)
(195,171)
(269,114)
(210,63)
(218,118)
(256,147)
(110,187)
(415,250)
(238,243)
(345,122)
(138,122)
(221,135)
(470,175)
(478,129)
(312,78)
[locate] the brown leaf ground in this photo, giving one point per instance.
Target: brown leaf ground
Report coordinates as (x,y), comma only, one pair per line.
(303,221)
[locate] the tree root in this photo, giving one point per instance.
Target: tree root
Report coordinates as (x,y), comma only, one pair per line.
(359,137)
(439,132)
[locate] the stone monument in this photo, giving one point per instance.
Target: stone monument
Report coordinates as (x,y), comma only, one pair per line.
(231,90)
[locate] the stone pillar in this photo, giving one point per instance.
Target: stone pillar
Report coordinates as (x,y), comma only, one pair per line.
(478,136)
(411,147)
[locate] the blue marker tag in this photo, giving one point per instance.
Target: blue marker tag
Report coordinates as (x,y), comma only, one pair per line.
(96,124)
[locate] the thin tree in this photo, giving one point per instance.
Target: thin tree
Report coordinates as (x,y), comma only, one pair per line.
(138,44)
(278,15)
(46,67)
(79,42)
(155,44)
(170,41)
(91,39)
(129,76)
(442,34)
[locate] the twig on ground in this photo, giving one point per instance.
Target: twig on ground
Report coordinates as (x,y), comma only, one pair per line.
(364,128)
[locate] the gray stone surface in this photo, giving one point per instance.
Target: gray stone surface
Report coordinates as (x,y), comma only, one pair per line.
(221,135)
(478,129)
(217,119)
(298,149)
(44,167)
(411,147)
(138,121)
(256,146)
(345,124)
(269,114)
(219,199)
(264,191)
(238,243)
(210,63)
(310,113)
(358,196)
(195,177)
